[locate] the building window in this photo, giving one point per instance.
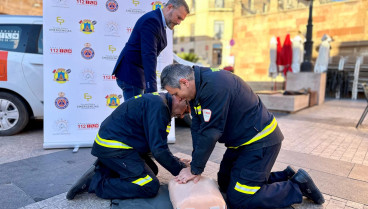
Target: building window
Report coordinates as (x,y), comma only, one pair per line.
(218,29)
(175,40)
(191,51)
(193,6)
(219,4)
(216,54)
(182,39)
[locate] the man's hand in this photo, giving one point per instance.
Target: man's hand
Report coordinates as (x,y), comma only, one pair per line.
(185,161)
(185,175)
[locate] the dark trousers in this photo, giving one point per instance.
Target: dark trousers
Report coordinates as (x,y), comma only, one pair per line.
(124,177)
(251,172)
(129,91)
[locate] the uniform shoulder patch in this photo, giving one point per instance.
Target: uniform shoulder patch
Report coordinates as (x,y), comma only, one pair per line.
(207,115)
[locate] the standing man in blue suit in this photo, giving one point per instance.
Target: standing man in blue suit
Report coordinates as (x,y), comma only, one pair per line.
(135,69)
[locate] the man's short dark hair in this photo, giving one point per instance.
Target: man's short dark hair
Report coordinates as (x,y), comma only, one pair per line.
(172,74)
(179,3)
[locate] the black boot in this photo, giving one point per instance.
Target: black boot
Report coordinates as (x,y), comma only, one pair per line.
(82,184)
(289,171)
(307,186)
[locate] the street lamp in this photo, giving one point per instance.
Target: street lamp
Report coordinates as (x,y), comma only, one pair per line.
(307,66)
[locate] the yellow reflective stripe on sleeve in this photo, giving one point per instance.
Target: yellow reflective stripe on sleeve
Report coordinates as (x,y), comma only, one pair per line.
(265,132)
(214,69)
(155,93)
(168,129)
(198,109)
(142,181)
(136,97)
(246,189)
(111,143)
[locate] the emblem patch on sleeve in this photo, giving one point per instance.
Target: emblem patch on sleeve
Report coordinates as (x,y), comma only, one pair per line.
(207,115)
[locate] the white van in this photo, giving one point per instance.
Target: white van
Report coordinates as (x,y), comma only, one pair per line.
(21,72)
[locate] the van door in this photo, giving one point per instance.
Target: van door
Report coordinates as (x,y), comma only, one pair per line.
(33,61)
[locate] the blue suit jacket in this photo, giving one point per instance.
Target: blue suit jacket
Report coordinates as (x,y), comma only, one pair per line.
(137,62)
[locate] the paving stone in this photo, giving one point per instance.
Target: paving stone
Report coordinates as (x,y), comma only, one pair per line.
(12,196)
(359,172)
(341,188)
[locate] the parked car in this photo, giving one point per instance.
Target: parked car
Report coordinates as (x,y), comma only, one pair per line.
(21,72)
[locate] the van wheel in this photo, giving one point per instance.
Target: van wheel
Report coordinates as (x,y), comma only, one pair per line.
(13,114)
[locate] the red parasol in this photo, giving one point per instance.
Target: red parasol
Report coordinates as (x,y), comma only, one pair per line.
(278,55)
(287,55)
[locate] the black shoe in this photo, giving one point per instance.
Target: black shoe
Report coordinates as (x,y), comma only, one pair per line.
(82,184)
(307,186)
(289,171)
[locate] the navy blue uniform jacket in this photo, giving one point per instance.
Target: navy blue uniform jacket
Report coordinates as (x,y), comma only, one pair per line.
(230,113)
(137,62)
(141,124)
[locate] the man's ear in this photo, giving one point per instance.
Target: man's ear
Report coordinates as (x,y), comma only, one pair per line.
(184,82)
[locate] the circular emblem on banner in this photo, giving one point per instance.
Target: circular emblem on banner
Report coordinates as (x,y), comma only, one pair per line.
(61,75)
(157,5)
(87,52)
(61,102)
(112,5)
(112,100)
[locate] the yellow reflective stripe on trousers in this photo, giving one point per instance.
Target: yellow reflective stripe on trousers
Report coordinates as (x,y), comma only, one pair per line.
(246,189)
(142,181)
(168,129)
(111,143)
(265,132)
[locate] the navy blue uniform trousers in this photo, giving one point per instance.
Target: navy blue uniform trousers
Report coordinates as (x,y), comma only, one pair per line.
(252,169)
(115,177)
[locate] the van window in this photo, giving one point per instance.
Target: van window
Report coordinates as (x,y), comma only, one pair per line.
(21,38)
(40,43)
(10,37)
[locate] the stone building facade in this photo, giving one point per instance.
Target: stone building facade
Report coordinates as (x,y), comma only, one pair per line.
(256,21)
(21,7)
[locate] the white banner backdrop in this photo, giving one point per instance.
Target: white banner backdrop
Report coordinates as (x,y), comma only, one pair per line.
(82,41)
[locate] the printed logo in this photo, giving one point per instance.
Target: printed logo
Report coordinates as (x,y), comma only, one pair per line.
(112,5)
(87,97)
(58,50)
(87,76)
(87,2)
(135,2)
(61,127)
(61,75)
(60,3)
(9,35)
(107,77)
(207,115)
(135,11)
(59,20)
(87,52)
(157,5)
(88,126)
(111,57)
(129,29)
(113,100)
(112,28)
(61,102)
(59,28)
(87,26)
(87,106)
